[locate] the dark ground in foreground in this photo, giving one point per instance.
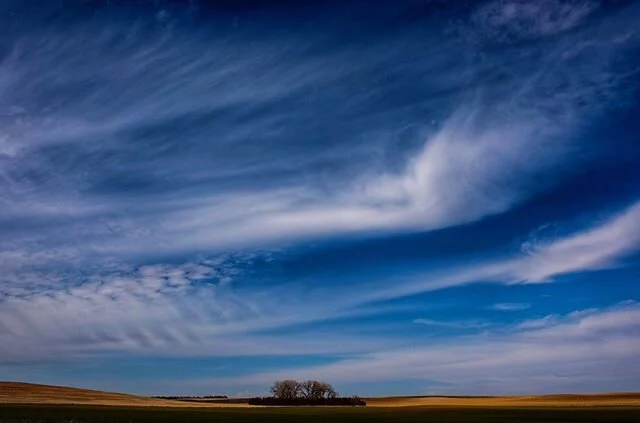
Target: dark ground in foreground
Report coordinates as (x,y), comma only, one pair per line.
(105,414)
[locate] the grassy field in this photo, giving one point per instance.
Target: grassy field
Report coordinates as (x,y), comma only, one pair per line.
(29,403)
(27,393)
(631,399)
(112,414)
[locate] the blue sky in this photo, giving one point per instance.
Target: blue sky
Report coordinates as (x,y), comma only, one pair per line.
(407,198)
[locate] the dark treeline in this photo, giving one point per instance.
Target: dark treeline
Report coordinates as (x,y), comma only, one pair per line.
(352,401)
(308,392)
(192,397)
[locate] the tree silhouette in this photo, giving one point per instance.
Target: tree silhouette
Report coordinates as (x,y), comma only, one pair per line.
(309,389)
(286,389)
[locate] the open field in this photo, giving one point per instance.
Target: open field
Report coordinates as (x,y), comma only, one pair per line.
(564,400)
(27,393)
(115,414)
(21,403)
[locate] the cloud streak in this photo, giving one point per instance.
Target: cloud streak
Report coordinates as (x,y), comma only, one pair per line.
(592,249)
(582,352)
(480,158)
(510,306)
(172,308)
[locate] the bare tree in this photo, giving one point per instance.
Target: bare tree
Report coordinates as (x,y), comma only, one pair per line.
(307,389)
(328,390)
(286,389)
(313,389)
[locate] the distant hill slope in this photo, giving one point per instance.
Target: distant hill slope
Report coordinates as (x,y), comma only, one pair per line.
(28,393)
(627,399)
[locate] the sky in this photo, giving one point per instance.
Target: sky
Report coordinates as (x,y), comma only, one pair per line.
(408,197)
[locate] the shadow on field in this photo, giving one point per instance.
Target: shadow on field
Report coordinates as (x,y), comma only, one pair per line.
(101,414)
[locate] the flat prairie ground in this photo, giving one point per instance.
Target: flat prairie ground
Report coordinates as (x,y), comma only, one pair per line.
(27,403)
(564,400)
(115,414)
(28,393)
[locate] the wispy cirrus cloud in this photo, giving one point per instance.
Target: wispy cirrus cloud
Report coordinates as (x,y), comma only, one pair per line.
(595,248)
(584,351)
(510,306)
(479,159)
(170,307)
(505,19)
(452,324)
(601,246)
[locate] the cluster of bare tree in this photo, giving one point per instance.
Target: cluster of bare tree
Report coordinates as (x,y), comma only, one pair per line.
(309,389)
(310,392)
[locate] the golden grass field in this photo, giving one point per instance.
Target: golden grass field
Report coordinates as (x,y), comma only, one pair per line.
(26,393)
(564,400)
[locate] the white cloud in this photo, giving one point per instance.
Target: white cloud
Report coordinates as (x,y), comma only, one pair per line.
(601,246)
(532,18)
(510,306)
(194,308)
(596,248)
(501,146)
(582,352)
(168,307)
(452,324)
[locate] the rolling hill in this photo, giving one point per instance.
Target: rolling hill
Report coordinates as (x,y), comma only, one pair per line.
(28,393)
